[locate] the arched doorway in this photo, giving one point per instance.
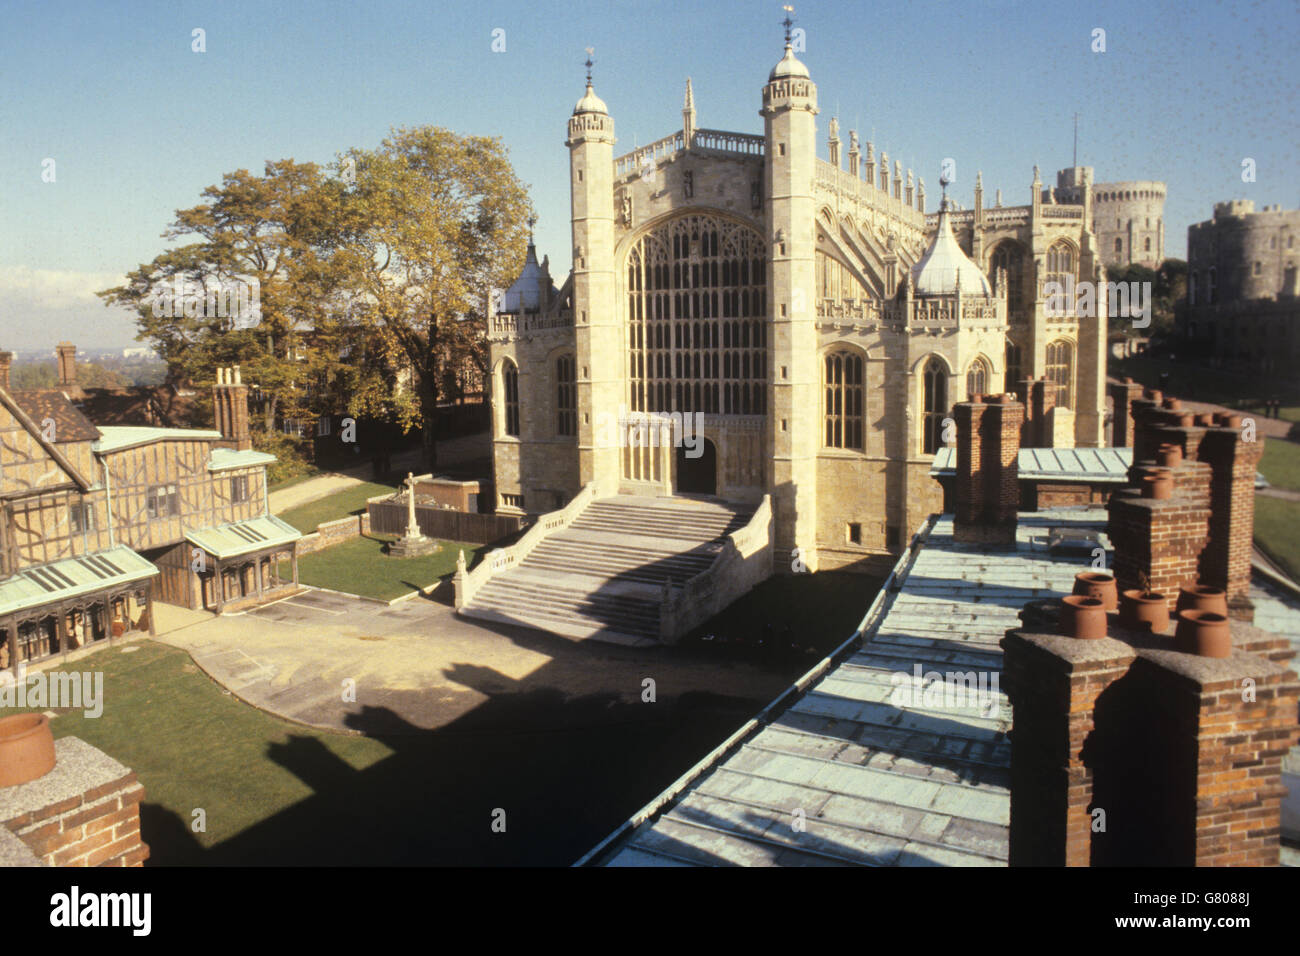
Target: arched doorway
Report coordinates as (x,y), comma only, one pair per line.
(698,476)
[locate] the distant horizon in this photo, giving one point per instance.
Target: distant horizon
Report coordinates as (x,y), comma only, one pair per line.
(1172,99)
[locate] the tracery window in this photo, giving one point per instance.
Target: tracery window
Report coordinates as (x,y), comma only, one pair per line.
(1060,262)
(566,396)
(1060,370)
(510,378)
(1007,256)
(936,406)
(697,318)
(977,379)
(843,384)
(1013,367)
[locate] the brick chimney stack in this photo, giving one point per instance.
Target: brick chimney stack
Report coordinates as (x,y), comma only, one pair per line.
(987,487)
(230,410)
(66,353)
(1202,533)
(6,361)
(1038,395)
(1123,394)
(1128,752)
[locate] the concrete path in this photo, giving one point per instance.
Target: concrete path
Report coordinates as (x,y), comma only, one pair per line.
(418,665)
(454,451)
(1282,493)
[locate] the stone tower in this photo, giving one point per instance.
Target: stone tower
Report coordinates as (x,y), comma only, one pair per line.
(597,328)
(789,111)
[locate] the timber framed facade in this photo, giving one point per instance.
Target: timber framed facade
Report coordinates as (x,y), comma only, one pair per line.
(95,523)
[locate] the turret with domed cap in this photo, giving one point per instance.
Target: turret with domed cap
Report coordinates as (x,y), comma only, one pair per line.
(597,323)
(790,157)
(945,268)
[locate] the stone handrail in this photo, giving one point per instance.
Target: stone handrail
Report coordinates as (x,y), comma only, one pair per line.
(729,142)
(467,583)
(744,561)
(630,162)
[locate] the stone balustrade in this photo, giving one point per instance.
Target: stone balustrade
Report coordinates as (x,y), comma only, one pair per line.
(744,561)
(467,583)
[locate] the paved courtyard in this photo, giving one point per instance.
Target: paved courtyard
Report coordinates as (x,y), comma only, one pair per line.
(417,666)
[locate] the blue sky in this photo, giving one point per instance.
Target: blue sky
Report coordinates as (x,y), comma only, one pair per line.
(138,124)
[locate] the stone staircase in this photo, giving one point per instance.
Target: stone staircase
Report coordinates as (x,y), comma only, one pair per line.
(603,576)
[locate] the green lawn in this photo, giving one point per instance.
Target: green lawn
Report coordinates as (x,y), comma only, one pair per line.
(360,566)
(349,501)
(1197,383)
(1277,532)
(1281,463)
(196,747)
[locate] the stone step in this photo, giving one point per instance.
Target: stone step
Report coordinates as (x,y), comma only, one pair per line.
(600,577)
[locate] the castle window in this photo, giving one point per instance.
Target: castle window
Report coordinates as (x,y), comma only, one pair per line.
(1211,292)
(566,396)
(977,379)
(1119,245)
(1060,370)
(696,313)
(239,488)
(1008,257)
(1013,366)
(510,378)
(1147,244)
(1060,262)
(1257,268)
(936,406)
(844,400)
(854,533)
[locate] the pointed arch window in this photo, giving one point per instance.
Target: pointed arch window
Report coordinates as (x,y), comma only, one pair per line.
(977,379)
(566,396)
(1060,370)
(1013,367)
(1060,261)
(510,381)
(843,383)
(1007,258)
(936,406)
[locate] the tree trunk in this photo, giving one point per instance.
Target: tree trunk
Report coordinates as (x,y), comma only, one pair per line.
(429,428)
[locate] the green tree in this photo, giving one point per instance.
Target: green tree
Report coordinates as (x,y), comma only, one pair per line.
(277,229)
(435,222)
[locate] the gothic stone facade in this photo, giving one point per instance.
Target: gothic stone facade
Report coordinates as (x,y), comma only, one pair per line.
(743,278)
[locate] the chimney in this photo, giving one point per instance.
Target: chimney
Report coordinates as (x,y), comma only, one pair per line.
(987,487)
(1126,751)
(1123,394)
(1038,395)
(66,353)
(1159,533)
(230,410)
(1225,562)
(6,360)
(1203,533)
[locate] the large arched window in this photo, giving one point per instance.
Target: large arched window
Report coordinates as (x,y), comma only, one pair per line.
(936,406)
(510,381)
(1060,370)
(1013,367)
(1060,262)
(1008,256)
(843,380)
(697,318)
(978,377)
(566,396)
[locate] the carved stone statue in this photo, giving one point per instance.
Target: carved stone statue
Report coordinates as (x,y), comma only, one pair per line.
(835,128)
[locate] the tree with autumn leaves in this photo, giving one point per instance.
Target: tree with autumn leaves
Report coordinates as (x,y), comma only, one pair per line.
(373,277)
